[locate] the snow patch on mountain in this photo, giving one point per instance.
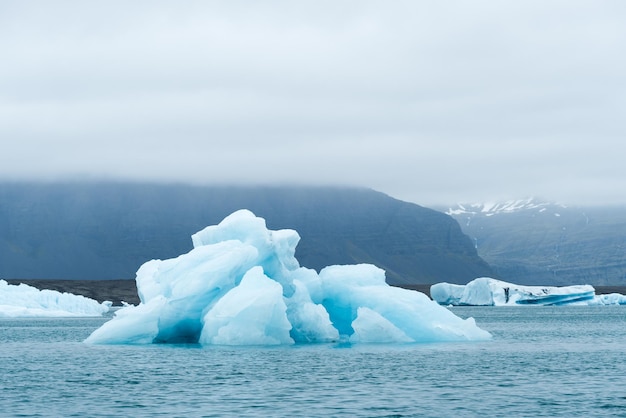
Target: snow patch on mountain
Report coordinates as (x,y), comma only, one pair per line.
(509,206)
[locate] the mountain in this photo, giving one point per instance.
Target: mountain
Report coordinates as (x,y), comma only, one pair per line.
(107,230)
(535,242)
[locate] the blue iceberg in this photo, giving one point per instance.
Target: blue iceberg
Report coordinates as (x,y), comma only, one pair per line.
(486,291)
(242,285)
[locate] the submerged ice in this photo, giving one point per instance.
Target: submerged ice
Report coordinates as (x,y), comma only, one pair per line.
(21,300)
(242,285)
(486,291)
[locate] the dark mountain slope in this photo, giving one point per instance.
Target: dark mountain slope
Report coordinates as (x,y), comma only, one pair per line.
(107,230)
(532,242)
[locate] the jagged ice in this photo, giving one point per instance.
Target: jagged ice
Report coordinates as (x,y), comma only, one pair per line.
(17,301)
(242,285)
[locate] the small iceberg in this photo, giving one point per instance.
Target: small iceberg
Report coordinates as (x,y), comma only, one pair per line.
(23,301)
(486,291)
(608,299)
(242,285)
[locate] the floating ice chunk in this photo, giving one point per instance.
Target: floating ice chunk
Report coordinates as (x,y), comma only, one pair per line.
(132,325)
(27,301)
(485,291)
(447,293)
(252,313)
(241,285)
(275,249)
(310,321)
(347,288)
(371,327)
(609,299)
(176,293)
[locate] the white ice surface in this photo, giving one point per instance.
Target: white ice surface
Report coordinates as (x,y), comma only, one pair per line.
(242,285)
(26,301)
(486,291)
(609,299)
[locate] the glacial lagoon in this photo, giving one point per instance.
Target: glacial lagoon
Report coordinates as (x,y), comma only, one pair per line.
(542,361)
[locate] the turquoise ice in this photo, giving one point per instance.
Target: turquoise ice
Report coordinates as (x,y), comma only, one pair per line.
(485,291)
(242,285)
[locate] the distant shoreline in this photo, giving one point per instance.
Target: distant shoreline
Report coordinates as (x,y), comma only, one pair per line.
(125,289)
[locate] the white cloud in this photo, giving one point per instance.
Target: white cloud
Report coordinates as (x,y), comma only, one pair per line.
(432,102)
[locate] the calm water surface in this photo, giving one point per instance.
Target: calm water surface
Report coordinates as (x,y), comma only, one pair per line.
(543,361)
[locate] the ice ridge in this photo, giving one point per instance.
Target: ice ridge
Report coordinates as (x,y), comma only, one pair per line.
(242,285)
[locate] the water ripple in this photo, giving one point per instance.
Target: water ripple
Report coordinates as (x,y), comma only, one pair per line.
(543,362)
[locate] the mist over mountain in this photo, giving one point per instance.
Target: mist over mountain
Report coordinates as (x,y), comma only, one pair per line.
(106,230)
(535,242)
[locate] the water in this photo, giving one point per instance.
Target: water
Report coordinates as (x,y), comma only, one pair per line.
(543,361)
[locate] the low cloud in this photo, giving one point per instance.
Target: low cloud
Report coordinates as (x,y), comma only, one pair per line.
(428,102)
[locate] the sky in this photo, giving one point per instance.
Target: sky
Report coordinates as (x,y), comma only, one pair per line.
(432,102)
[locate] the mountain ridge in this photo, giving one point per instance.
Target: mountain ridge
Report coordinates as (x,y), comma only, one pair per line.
(537,242)
(106,230)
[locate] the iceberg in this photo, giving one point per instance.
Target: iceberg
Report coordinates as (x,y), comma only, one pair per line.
(242,285)
(23,301)
(486,291)
(608,299)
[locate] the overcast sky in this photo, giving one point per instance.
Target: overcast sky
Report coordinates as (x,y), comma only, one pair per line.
(433,102)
